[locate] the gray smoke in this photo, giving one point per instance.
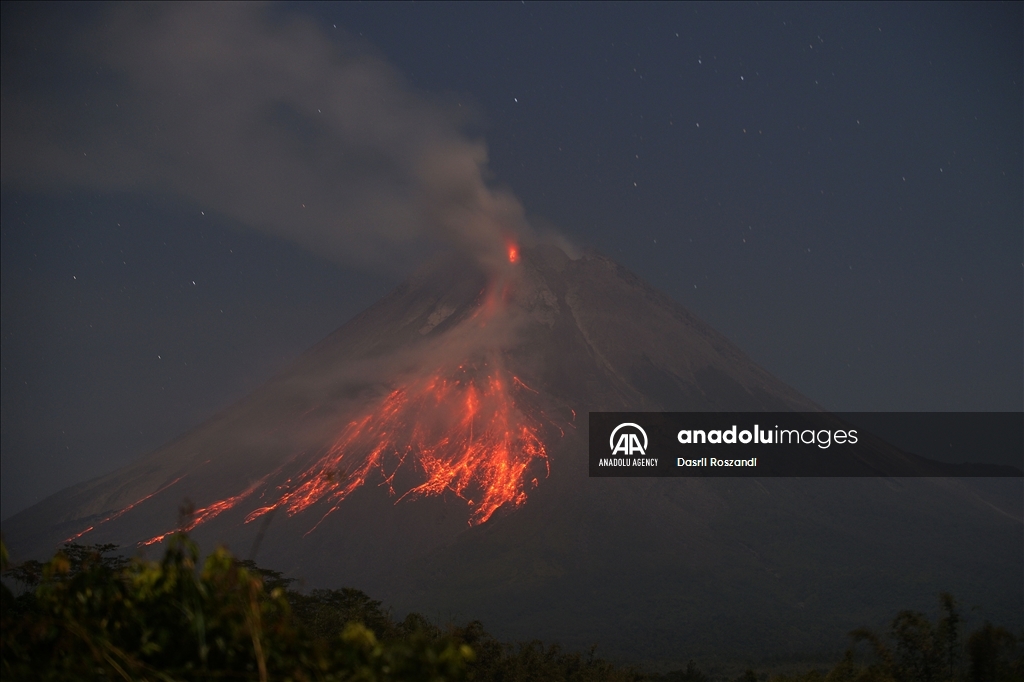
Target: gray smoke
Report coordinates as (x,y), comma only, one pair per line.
(270,122)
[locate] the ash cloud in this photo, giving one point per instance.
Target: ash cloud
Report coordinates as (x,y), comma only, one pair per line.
(265,120)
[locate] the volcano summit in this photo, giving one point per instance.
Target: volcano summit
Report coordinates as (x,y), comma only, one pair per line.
(433,452)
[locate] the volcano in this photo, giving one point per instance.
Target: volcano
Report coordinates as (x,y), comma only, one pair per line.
(433,453)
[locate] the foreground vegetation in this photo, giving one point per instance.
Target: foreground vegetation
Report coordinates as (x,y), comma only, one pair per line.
(89,614)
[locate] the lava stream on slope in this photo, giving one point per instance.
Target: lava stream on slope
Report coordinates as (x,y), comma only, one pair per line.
(460,431)
(470,431)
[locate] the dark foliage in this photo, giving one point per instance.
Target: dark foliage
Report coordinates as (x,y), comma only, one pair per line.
(88,616)
(918,650)
(91,614)
(691,674)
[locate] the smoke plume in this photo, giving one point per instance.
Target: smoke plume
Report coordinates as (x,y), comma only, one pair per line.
(267,120)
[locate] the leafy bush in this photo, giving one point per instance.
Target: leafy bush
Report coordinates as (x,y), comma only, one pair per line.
(917,650)
(87,616)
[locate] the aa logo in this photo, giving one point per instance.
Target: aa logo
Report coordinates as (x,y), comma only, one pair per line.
(628,442)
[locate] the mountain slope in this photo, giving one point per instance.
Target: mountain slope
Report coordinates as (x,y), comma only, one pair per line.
(515,532)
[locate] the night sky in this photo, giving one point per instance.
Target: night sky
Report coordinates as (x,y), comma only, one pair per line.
(836,188)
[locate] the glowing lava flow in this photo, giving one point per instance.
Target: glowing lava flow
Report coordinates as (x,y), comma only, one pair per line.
(208,512)
(471,430)
(124,510)
(462,431)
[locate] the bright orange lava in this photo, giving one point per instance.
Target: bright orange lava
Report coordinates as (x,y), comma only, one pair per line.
(458,431)
(472,430)
(513,253)
(124,510)
(206,513)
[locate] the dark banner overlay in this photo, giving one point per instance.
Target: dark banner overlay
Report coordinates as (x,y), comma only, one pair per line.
(988,444)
